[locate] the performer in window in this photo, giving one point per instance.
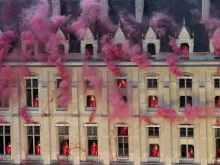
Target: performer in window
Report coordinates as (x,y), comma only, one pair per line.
(155,151)
(94,149)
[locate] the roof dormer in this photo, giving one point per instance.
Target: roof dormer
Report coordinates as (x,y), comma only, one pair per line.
(89,44)
(151,41)
(64,42)
(211,46)
(185,38)
(119,36)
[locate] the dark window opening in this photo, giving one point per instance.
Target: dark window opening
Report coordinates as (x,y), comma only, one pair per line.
(151,49)
(152,101)
(88,84)
(186,132)
(89,49)
(32,92)
(58,82)
(91,101)
(33,134)
(153,131)
(154,150)
(217,83)
(187,151)
(185,100)
(184,48)
(119,47)
(30,49)
(124,98)
(61,49)
(185,83)
(5,140)
(217,101)
(152,83)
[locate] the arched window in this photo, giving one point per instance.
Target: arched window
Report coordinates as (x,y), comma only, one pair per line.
(151,49)
(30,48)
(185,48)
(119,46)
(61,49)
(89,48)
(152,101)
(91,101)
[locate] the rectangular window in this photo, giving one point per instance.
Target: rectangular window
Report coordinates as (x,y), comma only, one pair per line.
(187,151)
(154,150)
(63,135)
(5,140)
(32,92)
(153,131)
(185,100)
(217,83)
(152,83)
(92,141)
(185,83)
(33,135)
(217,139)
(186,132)
(4,101)
(123,146)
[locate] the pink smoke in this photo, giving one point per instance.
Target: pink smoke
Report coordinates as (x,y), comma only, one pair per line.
(169,114)
(65,85)
(216,43)
(163,23)
(177,50)
(171,61)
(24,115)
(121,109)
(94,80)
(27,37)
(146,119)
(90,14)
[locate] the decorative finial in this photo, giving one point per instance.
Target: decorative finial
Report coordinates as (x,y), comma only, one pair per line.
(184,21)
(150,22)
(119,22)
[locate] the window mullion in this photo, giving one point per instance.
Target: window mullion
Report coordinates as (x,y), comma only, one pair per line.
(4,139)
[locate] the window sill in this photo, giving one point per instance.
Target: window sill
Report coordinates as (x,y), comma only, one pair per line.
(61,109)
(4,109)
(92,157)
(34,157)
(152,109)
(32,108)
(123,158)
(153,136)
(152,88)
(90,108)
(190,160)
(154,159)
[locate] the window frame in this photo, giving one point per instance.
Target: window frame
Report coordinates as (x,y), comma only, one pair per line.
(151,77)
(124,137)
(32,88)
(92,136)
(2,104)
(186,79)
(186,137)
(33,136)
(216,78)
(121,78)
(185,101)
(4,137)
(154,135)
(63,136)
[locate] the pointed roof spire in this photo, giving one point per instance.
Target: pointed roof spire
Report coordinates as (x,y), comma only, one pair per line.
(150,22)
(184,21)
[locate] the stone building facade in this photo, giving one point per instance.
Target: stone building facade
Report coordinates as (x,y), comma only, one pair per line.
(178,143)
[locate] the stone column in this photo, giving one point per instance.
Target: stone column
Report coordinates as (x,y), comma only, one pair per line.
(15,127)
(139,10)
(202,142)
(45,139)
(103,141)
(56,8)
(205,9)
(166,89)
